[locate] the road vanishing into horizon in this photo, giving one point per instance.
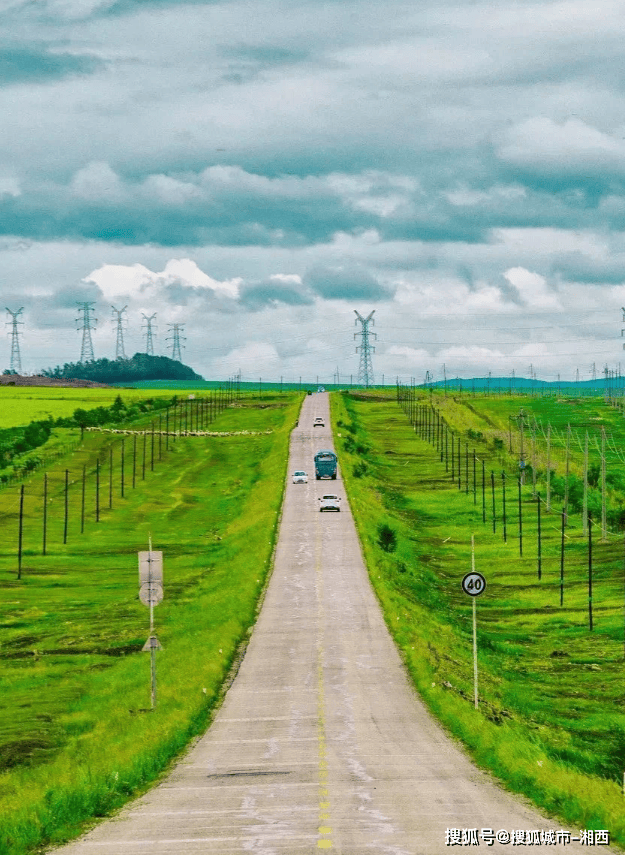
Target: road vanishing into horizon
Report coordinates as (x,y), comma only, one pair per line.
(321,743)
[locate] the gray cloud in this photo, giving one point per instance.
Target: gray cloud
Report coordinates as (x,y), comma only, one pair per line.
(345,283)
(450,160)
(38,64)
(273,291)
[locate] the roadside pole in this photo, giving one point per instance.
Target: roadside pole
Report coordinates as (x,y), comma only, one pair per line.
(474,584)
(151,594)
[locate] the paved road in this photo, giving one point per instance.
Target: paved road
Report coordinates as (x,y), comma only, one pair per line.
(320,743)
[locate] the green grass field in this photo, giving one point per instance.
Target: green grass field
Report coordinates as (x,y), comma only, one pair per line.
(20,405)
(550,723)
(77,736)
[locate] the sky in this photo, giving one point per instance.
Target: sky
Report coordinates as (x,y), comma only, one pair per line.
(257,172)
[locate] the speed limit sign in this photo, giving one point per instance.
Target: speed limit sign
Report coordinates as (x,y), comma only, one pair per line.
(473,584)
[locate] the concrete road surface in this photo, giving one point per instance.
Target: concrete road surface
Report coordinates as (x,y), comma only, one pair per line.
(321,742)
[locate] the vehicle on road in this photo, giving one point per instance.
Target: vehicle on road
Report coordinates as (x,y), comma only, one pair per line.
(329,503)
(319,422)
(300,477)
(325,465)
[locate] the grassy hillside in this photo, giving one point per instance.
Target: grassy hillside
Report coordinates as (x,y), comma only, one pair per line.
(550,721)
(76,732)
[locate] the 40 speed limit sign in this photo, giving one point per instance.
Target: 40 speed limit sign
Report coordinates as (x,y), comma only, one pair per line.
(473,584)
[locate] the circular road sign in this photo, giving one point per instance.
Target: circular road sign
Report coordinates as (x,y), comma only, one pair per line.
(150,594)
(473,584)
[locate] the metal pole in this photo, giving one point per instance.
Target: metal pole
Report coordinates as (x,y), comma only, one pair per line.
(82,499)
(520,523)
(45,511)
(562,557)
(540,555)
(97,490)
(66,506)
(20,534)
(474,479)
(567,469)
(604,524)
(134,460)
(122,469)
(590,572)
(549,467)
(503,507)
(474,627)
(483,491)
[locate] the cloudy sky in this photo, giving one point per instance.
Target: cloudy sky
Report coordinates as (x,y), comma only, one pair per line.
(259,170)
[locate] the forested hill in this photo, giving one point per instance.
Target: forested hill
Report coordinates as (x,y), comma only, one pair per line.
(140,367)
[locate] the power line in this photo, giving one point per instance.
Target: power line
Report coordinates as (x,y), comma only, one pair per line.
(16,360)
(149,340)
(119,347)
(365,369)
(86,349)
(175,338)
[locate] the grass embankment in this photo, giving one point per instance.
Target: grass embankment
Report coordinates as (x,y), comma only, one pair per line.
(551,692)
(76,734)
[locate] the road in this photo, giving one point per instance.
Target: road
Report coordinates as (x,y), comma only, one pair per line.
(320,743)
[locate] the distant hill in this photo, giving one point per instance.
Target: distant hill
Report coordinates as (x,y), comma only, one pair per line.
(140,367)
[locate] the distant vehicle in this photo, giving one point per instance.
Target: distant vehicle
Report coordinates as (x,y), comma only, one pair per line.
(321,389)
(300,477)
(319,422)
(329,503)
(325,465)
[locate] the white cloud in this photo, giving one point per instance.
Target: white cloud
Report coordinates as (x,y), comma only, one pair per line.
(571,147)
(140,284)
(97,182)
(9,186)
(186,271)
(533,290)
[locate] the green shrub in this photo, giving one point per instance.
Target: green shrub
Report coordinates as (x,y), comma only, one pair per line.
(387,538)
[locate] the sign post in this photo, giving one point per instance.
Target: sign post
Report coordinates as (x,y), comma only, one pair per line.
(151,594)
(474,584)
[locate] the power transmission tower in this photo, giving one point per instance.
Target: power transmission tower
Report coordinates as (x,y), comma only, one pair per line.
(149,341)
(119,347)
(86,349)
(16,361)
(365,369)
(175,330)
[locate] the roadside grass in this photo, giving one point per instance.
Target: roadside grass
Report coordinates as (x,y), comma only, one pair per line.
(550,723)
(77,736)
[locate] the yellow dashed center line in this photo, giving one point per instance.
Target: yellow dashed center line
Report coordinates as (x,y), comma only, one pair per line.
(323,842)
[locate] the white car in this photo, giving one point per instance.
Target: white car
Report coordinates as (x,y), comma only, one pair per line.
(319,422)
(300,477)
(329,503)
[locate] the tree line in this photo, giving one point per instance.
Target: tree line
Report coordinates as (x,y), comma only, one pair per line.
(141,366)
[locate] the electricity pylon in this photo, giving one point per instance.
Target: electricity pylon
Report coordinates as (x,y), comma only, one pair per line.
(149,340)
(86,349)
(175,330)
(365,369)
(119,347)
(16,361)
